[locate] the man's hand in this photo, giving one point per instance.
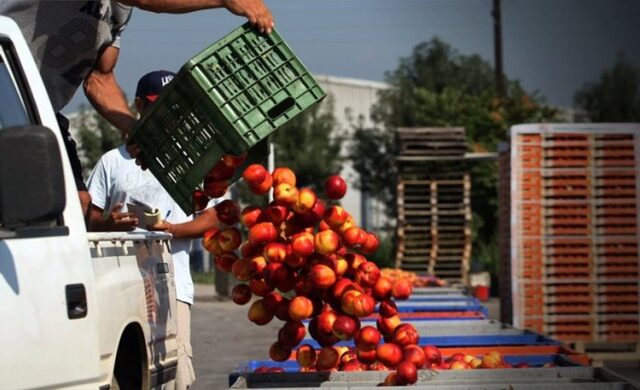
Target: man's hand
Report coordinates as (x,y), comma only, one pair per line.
(254,10)
(162,226)
(122,221)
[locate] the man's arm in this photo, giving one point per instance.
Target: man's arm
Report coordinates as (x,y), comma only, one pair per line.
(254,10)
(116,222)
(192,229)
(105,94)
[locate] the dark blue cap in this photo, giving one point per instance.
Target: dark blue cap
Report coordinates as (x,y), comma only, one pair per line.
(150,85)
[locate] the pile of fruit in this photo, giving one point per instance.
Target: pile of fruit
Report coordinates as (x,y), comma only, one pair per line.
(304,259)
(415,279)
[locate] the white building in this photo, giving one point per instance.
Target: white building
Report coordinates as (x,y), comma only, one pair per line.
(353,98)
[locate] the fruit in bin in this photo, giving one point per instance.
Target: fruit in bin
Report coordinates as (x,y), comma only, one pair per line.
(313,216)
(345,327)
(279,353)
(468,358)
(283,175)
(304,286)
(229,239)
(432,355)
(414,354)
(391,380)
(300,308)
(475,363)
(326,242)
(363,305)
(351,366)
(456,357)
(225,261)
(259,287)
(407,373)
(377,366)
(388,308)
(322,226)
(366,357)
(200,200)
(348,224)
(227,212)
(367,274)
(214,188)
(335,187)
(548,365)
(275,370)
(262,233)
(341,286)
(210,241)
(275,252)
(241,294)
(327,359)
(305,202)
(354,237)
(251,215)
(341,349)
(371,244)
(386,325)
(247,249)
(276,212)
(306,355)
(261,370)
(405,334)
(367,338)
(382,289)
(285,193)
(258,313)
(459,365)
(338,264)
(389,354)
(335,216)
(322,277)
(492,359)
(349,356)
(401,289)
(302,244)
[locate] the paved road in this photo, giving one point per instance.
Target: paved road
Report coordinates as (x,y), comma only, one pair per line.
(222,337)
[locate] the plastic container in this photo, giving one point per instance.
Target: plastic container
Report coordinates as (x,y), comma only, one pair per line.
(224,100)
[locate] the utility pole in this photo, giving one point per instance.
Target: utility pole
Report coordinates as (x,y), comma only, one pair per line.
(497,42)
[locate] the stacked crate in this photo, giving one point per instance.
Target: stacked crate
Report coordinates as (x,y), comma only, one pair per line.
(434,211)
(570,238)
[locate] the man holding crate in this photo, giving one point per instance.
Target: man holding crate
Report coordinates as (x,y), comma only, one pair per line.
(117,180)
(78,42)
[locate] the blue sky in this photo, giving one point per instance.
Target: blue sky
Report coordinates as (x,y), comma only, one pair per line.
(552,46)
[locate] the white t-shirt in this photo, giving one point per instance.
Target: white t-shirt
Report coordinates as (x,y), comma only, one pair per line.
(116,179)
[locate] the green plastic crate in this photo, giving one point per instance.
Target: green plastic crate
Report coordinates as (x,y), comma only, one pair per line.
(226,99)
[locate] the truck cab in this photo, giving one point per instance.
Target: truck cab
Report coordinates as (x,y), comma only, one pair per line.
(78,309)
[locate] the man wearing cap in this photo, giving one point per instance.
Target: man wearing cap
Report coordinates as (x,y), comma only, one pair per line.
(78,42)
(115,181)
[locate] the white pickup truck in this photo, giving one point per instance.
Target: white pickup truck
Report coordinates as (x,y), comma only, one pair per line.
(77,309)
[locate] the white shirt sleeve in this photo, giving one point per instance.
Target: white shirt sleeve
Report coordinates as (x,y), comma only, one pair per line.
(98,185)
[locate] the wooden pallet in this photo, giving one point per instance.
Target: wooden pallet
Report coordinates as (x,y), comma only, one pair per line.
(431,141)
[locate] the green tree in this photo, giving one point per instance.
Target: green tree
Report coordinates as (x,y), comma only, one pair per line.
(615,97)
(96,136)
(437,86)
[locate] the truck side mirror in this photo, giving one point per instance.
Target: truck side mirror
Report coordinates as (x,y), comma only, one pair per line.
(31,177)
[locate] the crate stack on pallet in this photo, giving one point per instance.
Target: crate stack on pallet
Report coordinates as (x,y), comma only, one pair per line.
(572,231)
(434,210)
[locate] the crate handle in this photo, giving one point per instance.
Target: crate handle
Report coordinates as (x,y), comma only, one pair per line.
(281,108)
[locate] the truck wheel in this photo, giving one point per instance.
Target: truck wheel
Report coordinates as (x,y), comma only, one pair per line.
(128,368)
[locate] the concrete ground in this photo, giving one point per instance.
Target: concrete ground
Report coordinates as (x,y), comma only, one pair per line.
(222,337)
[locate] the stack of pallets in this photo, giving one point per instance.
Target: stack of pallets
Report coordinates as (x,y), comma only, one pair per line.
(571,233)
(434,211)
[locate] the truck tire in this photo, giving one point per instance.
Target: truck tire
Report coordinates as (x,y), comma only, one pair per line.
(130,360)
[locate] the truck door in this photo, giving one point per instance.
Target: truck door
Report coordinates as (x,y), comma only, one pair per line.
(48,330)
